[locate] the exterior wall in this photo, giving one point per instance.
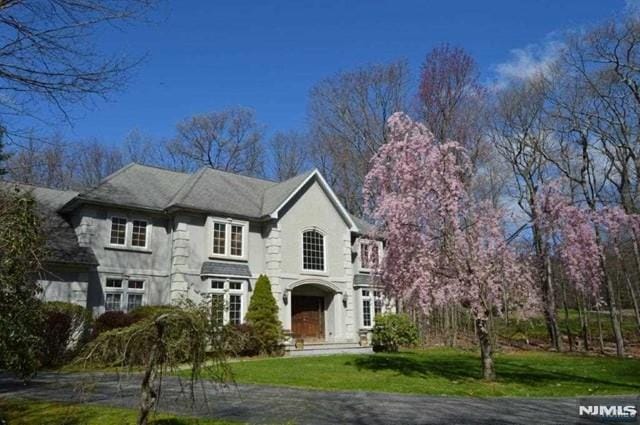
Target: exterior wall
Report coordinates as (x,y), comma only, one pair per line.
(314,210)
(63,284)
(152,264)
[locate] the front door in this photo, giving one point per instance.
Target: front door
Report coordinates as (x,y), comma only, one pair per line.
(307,317)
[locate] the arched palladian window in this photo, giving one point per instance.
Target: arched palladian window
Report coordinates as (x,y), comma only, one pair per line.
(313,250)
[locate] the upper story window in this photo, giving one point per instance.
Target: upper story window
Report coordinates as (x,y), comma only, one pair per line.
(118,230)
(139,233)
(228,238)
(313,250)
(370,254)
(132,233)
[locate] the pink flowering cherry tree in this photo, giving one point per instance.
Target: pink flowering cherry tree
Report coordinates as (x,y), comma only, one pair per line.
(442,247)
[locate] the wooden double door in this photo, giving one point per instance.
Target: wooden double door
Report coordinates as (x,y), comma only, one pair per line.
(307,317)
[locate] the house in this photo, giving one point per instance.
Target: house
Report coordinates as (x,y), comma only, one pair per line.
(147,235)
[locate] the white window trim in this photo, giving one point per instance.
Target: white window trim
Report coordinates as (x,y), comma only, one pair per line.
(324,252)
(147,230)
(128,232)
(380,253)
(372,309)
(228,222)
(124,291)
(126,228)
(226,292)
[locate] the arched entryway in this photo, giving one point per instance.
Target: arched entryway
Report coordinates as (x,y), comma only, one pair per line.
(313,310)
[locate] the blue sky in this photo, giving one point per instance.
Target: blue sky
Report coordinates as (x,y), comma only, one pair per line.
(204,55)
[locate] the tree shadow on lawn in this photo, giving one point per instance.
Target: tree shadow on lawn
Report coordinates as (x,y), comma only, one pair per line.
(468,368)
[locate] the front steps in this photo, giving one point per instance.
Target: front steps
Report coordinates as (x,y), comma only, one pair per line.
(326,348)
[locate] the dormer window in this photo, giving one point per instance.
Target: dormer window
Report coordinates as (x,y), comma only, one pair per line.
(228,238)
(313,251)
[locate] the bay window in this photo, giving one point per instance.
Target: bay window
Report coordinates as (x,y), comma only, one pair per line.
(227,300)
(123,294)
(372,305)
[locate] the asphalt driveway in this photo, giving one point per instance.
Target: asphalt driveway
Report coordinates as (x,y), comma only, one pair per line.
(265,404)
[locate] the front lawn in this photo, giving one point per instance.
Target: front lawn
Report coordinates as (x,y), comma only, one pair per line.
(23,412)
(441,371)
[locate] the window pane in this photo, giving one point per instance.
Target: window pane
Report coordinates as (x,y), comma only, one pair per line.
(133,301)
(235,285)
(139,233)
(219,236)
(112,302)
(235,309)
(114,283)
(365,293)
(366,312)
(136,284)
(236,240)
(217,309)
(312,250)
(118,230)
(369,255)
(217,284)
(377,306)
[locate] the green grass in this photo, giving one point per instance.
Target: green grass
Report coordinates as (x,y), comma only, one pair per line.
(449,372)
(23,412)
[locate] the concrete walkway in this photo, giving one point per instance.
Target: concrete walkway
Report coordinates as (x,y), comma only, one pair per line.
(265,405)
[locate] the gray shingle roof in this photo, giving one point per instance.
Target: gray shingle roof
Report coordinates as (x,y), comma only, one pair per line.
(205,190)
(61,242)
(223,268)
(214,190)
(138,186)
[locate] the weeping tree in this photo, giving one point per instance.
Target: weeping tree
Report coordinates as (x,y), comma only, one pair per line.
(159,345)
(442,246)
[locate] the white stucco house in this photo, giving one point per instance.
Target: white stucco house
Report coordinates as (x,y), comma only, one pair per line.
(147,235)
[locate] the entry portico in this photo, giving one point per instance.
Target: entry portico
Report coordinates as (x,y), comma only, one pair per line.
(315,310)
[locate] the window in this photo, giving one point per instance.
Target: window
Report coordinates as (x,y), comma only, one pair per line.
(235,309)
(370,254)
(139,233)
(131,233)
(121,296)
(371,307)
(228,238)
(227,300)
(112,301)
(217,309)
(236,240)
(366,309)
(118,230)
(219,238)
(313,250)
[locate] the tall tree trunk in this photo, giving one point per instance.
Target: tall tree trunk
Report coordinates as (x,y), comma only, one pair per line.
(583,313)
(550,303)
(486,349)
(600,337)
(634,300)
(566,314)
(614,312)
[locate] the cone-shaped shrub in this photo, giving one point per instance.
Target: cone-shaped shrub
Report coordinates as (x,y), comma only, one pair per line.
(263,317)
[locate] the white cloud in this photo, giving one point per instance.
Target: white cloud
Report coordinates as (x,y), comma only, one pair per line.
(527,62)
